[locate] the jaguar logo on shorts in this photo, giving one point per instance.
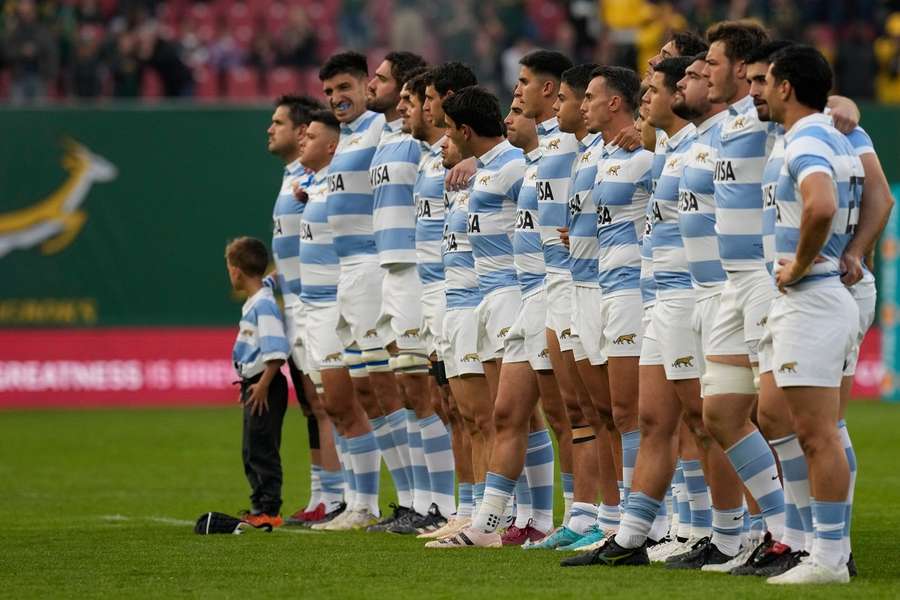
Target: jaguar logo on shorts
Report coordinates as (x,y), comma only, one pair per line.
(414,332)
(470,357)
(683,361)
(788,367)
(371,333)
(553,144)
(762,322)
(484,180)
(628,338)
(502,333)
(544,353)
(333,357)
(246,332)
(565,333)
(613,170)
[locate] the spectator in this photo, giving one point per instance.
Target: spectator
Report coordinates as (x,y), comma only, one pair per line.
(31,53)
(263,57)
(224,55)
(87,65)
(299,46)
(125,67)
(162,56)
(855,66)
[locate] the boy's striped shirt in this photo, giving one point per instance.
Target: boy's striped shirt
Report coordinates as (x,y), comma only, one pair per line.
(260,335)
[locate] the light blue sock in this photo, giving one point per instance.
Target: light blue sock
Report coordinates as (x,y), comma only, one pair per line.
(682,501)
(523,501)
(539,471)
(466,500)
(477,496)
(439,461)
(366,469)
(851,459)
(798,526)
(343,449)
(397,420)
(421,485)
(332,489)
(828,547)
(639,516)
(384,437)
(497,492)
(698,495)
(754,463)
(568,487)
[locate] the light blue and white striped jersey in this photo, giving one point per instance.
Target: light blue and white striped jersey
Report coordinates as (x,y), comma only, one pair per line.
(813,145)
(771,174)
(492,215)
(670,265)
(648,283)
(621,192)
(863,145)
(554,179)
(319,264)
(697,206)
(393,176)
(260,335)
(430,213)
(286,230)
(744,144)
(584,251)
(461,287)
(350,202)
(528,254)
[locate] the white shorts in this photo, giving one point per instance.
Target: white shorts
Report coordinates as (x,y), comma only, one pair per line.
(496,314)
(651,355)
(672,327)
(434,307)
(461,333)
(560,294)
(810,331)
(621,317)
(400,320)
(295,332)
(324,347)
(587,324)
(359,304)
(706,312)
(527,339)
(865,295)
(743,306)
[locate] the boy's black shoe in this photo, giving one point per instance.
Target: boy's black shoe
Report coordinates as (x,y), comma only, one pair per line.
(610,554)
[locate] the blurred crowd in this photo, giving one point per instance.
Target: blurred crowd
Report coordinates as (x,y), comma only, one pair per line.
(246,49)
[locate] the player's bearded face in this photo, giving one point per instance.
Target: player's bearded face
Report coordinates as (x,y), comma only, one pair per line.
(774,96)
(720,70)
(690,101)
(382,93)
(756,75)
(282,135)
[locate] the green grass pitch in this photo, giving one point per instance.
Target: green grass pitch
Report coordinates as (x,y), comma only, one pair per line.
(101,503)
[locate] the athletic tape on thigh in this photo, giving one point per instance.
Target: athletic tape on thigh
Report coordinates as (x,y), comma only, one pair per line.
(727,379)
(410,363)
(377,360)
(355,363)
(755,369)
(582,434)
(439,372)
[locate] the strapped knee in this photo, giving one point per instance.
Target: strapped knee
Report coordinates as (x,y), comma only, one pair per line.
(439,372)
(410,363)
(316,378)
(377,360)
(353,358)
(582,434)
(720,378)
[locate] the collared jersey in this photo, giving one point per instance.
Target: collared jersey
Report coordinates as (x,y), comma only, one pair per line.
(584,251)
(393,176)
(744,143)
(813,145)
(430,212)
(862,143)
(319,263)
(461,280)
(771,174)
(648,283)
(528,254)
(286,230)
(554,178)
(621,192)
(697,206)
(350,202)
(260,335)
(492,215)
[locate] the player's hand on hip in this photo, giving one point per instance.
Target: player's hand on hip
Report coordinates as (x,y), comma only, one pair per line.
(564,235)
(851,268)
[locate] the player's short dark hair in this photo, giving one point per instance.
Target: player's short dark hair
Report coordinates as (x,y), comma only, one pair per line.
(764,52)
(249,255)
(299,107)
(740,38)
(699,56)
(578,77)
(478,108)
(548,63)
(624,81)
(451,77)
(673,70)
(689,43)
(350,62)
(808,73)
(326,118)
(417,84)
(402,64)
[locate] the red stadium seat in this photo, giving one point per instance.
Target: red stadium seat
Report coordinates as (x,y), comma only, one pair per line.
(243,83)
(310,83)
(207,85)
(276,18)
(151,85)
(283,80)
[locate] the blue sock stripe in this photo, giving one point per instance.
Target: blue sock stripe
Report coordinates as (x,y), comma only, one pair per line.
(440,443)
(331,482)
(772,503)
(829,518)
(429,420)
(757,523)
(362,443)
(806,518)
(442,481)
(792,518)
(538,438)
(643,507)
(684,511)
(795,469)
(729,522)
(523,492)
(500,483)
(745,528)
(542,497)
(397,418)
(584,512)
(750,455)
(466,493)
(539,456)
